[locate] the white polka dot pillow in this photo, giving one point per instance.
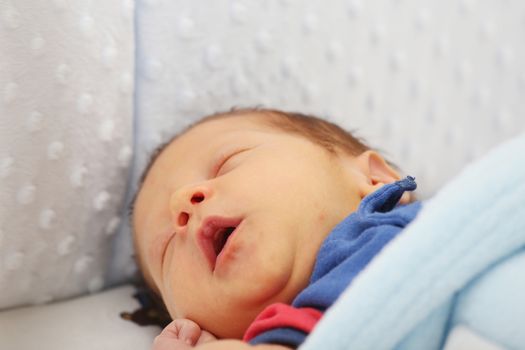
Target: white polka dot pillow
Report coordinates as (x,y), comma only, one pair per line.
(66,77)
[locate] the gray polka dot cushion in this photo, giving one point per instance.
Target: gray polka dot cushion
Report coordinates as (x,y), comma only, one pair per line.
(433,84)
(66,83)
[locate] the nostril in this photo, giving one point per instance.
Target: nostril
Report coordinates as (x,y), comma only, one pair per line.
(183,219)
(197,198)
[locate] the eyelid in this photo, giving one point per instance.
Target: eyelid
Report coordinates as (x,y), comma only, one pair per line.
(224,158)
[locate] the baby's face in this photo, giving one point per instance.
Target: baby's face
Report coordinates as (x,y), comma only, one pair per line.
(231,215)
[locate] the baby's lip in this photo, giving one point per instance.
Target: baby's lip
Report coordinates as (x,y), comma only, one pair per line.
(210,236)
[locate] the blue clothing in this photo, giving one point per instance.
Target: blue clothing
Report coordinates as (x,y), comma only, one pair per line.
(346,251)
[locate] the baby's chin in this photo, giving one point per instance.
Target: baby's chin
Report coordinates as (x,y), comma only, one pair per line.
(223,321)
(246,307)
(232,308)
(233,325)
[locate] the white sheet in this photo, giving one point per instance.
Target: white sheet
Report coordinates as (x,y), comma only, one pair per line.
(464,338)
(91,323)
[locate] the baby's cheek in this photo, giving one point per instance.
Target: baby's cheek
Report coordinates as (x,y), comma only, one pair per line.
(321,217)
(270,272)
(174,295)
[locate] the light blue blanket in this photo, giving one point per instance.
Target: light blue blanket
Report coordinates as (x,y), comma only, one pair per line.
(460,262)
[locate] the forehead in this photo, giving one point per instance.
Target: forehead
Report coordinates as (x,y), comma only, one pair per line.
(216,128)
(208,137)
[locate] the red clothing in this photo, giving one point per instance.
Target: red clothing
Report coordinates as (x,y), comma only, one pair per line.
(280,316)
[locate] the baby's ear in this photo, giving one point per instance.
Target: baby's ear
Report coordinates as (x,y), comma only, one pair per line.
(377,171)
(376,168)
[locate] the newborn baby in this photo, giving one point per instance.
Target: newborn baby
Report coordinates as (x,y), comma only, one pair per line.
(250,223)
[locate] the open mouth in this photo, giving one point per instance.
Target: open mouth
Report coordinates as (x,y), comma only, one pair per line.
(221,237)
(214,235)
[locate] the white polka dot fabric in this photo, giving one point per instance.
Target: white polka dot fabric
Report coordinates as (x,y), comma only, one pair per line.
(66,84)
(433,84)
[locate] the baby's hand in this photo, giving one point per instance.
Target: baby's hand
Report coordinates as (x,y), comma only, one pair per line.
(181,334)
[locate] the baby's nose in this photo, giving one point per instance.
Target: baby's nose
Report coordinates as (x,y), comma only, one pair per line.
(184,216)
(184,204)
(197,198)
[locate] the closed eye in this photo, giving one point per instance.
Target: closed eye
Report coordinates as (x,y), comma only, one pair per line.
(217,171)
